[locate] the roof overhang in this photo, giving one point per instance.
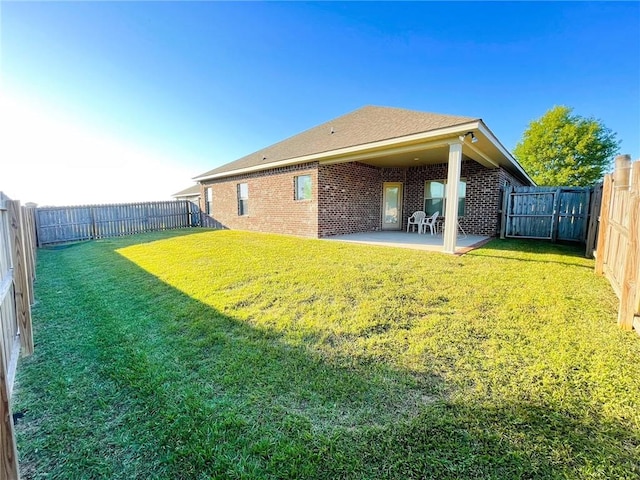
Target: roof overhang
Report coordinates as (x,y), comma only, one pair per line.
(185,195)
(410,150)
(192,191)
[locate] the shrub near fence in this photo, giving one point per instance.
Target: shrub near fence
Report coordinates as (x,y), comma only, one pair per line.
(618,250)
(90,222)
(17,272)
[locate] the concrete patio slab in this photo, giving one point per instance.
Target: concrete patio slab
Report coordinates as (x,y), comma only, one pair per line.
(412,240)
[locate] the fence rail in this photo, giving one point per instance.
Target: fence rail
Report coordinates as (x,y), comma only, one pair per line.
(618,247)
(17,273)
(90,222)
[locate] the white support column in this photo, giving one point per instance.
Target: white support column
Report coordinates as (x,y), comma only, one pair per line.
(451,210)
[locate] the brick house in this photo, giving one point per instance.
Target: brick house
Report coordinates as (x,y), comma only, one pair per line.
(365,171)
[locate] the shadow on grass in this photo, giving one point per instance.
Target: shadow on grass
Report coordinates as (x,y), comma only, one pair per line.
(513,440)
(135,379)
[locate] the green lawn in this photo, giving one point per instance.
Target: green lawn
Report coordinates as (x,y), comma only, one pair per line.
(220,354)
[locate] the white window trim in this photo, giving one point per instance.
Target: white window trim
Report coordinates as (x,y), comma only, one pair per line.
(209,200)
(295,188)
(245,210)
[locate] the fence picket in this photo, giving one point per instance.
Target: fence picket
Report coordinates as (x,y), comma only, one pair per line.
(20,285)
(17,260)
(551,213)
(74,223)
(618,243)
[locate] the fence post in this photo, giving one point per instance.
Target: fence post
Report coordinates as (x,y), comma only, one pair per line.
(587,204)
(622,172)
(594,203)
(628,301)
(92,215)
(506,200)
(36,225)
(20,276)
(8,449)
(555,215)
(603,229)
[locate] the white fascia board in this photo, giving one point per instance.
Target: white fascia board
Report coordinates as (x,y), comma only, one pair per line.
(255,168)
(489,134)
(355,151)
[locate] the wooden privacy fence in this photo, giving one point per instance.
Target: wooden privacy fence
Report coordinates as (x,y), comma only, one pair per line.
(17,273)
(618,247)
(90,222)
(551,213)
(594,224)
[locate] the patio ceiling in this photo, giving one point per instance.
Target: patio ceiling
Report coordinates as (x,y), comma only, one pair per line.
(410,152)
(412,159)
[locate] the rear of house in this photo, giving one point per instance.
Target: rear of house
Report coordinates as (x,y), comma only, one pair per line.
(366,171)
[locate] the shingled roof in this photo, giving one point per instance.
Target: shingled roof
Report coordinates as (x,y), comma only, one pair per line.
(188,192)
(365,125)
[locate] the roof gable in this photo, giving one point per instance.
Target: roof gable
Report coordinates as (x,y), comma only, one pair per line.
(365,125)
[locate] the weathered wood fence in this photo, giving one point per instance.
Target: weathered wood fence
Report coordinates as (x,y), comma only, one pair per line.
(17,273)
(90,222)
(594,224)
(550,213)
(618,247)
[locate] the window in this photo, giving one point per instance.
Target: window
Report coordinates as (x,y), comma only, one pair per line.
(209,200)
(302,187)
(435,197)
(243,199)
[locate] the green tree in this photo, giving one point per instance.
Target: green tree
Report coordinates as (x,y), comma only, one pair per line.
(565,149)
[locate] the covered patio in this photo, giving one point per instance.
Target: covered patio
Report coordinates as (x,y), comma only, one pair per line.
(433,243)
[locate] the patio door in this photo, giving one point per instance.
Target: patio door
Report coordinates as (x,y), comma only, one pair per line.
(392,206)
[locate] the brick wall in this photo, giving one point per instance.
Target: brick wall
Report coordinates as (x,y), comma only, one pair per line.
(504,179)
(482,196)
(349,198)
(271,205)
(507,179)
(483,201)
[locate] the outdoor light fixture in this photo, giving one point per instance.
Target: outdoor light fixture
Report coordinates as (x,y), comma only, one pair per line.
(473,137)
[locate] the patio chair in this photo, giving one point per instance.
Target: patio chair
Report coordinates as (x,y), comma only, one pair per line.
(429,222)
(416,219)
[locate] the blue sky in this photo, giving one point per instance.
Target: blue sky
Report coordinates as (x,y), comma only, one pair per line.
(123,101)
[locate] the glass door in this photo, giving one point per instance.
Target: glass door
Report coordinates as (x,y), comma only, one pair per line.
(392,206)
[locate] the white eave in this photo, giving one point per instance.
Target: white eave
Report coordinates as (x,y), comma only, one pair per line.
(494,140)
(196,194)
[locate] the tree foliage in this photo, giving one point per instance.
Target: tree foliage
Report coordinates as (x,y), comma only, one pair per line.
(565,149)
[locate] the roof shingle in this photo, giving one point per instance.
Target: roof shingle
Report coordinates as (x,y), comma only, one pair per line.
(190,191)
(365,125)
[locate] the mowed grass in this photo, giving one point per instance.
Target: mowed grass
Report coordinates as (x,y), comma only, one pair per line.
(222,354)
